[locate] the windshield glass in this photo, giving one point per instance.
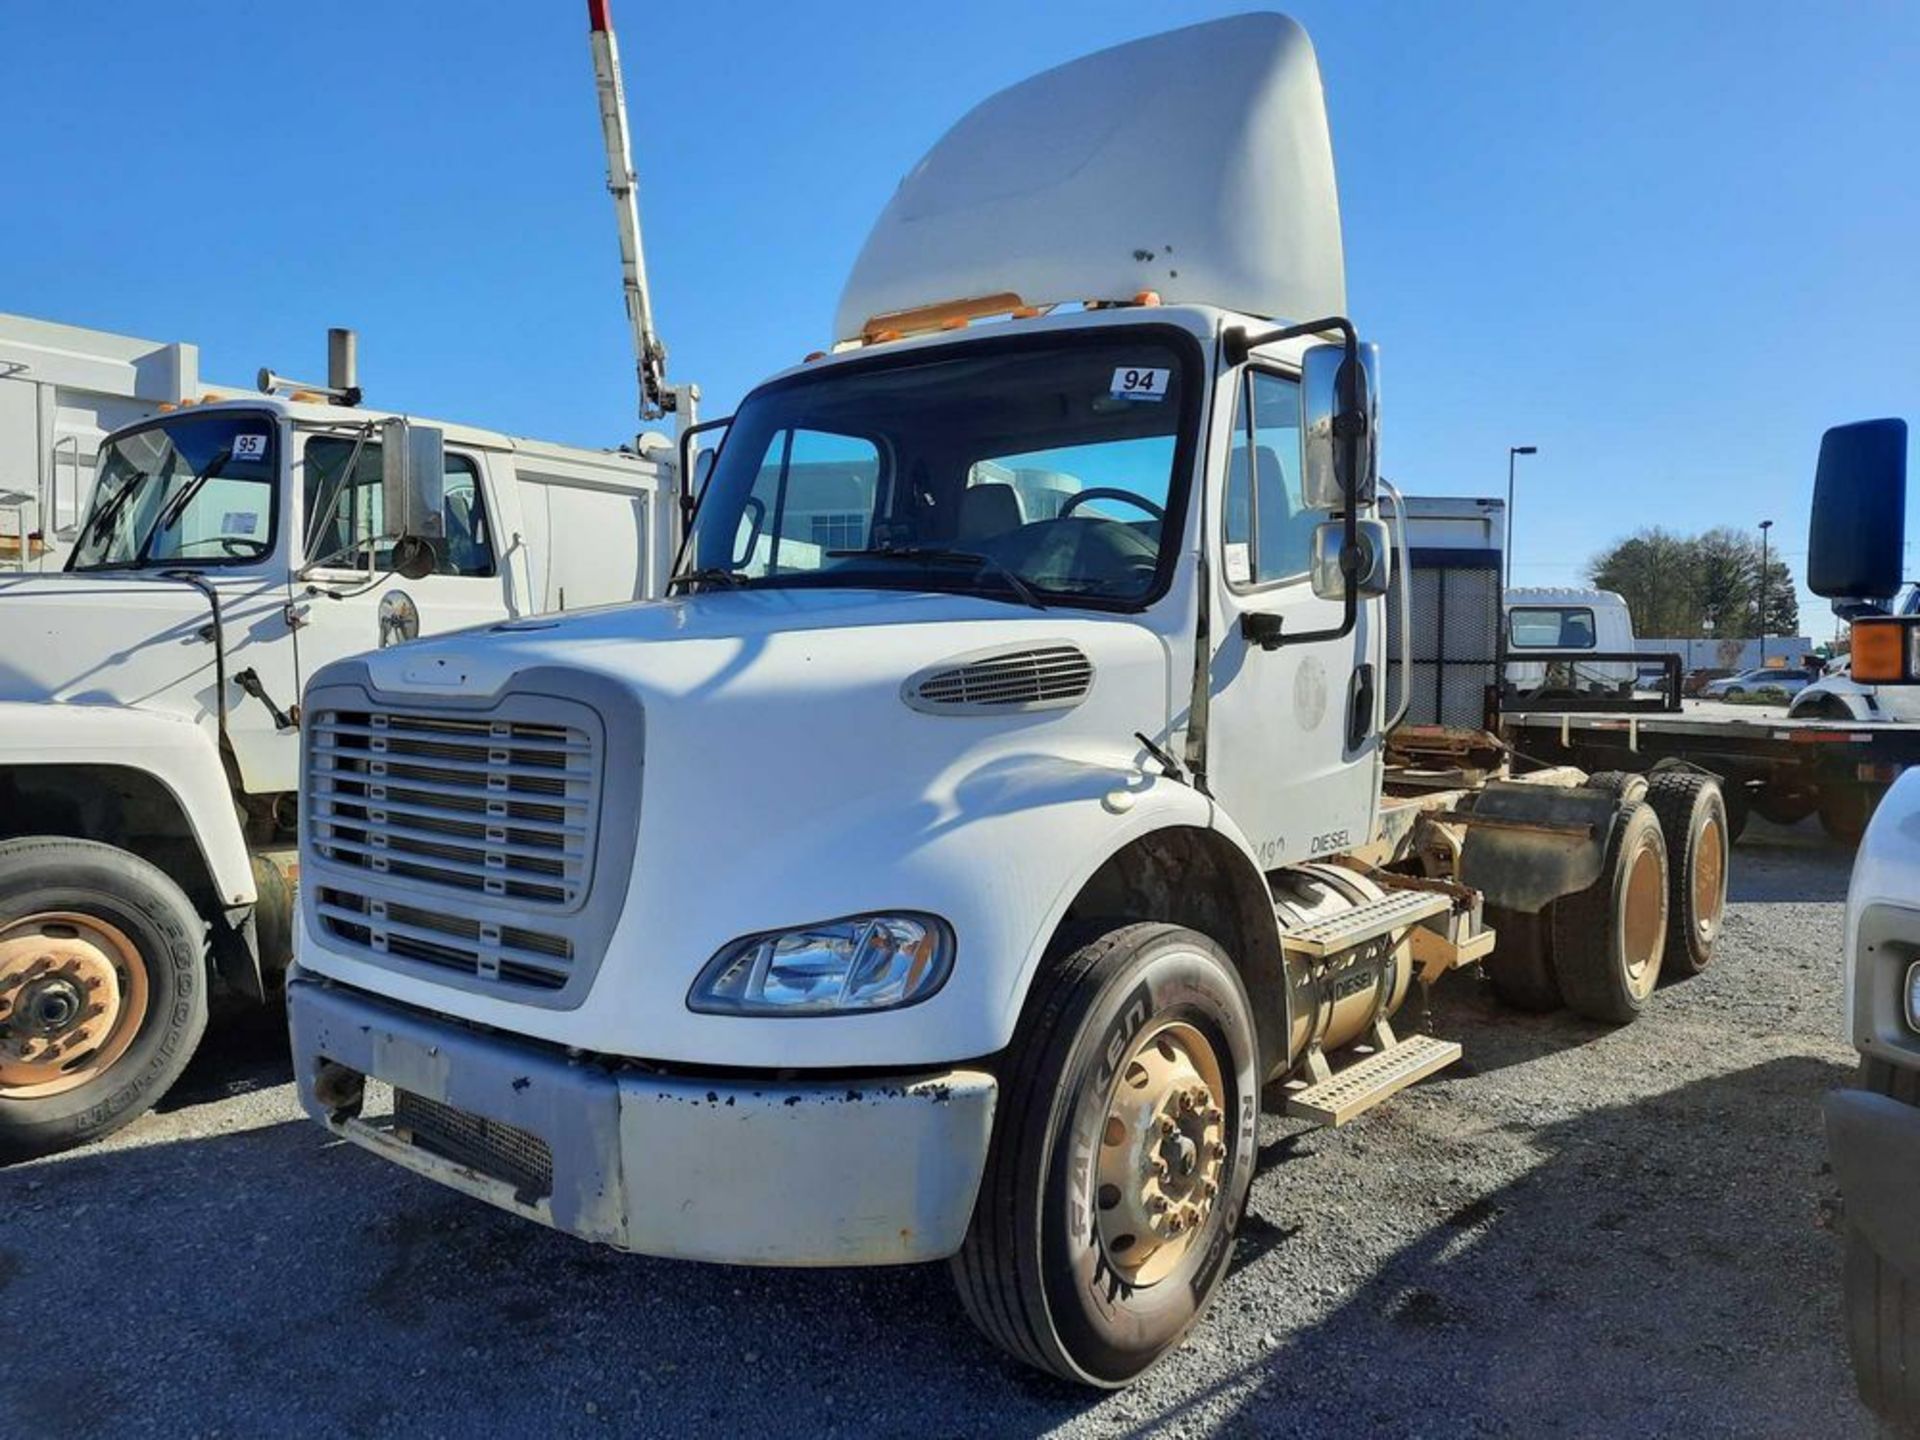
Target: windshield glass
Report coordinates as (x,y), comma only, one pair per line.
(191,490)
(1037,473)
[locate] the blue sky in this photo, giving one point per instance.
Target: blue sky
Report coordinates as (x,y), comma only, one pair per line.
(1666,243)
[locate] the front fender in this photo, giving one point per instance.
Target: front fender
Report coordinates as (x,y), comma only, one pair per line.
(172,750)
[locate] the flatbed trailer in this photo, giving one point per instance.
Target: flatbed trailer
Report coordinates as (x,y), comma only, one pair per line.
(1780,768)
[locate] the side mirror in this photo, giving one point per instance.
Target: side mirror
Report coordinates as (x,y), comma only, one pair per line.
(413,481)
(1855,541)
(1342,454)
(1371,576)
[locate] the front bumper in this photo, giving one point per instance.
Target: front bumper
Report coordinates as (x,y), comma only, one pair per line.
(1874,1143)
(753,1172)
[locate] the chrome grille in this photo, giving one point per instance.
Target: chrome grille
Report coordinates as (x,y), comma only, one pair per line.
(509,954)
(498,808)
(1051,675)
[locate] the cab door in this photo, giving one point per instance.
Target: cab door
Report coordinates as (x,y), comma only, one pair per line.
(349,600)
(1292,745)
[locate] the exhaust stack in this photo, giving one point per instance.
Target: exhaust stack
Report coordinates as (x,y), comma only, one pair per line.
(343,362)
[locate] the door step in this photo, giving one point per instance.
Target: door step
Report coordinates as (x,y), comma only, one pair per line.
(1360,1086)
(1395,910)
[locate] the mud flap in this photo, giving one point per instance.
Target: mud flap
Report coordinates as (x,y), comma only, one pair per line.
(1527,845)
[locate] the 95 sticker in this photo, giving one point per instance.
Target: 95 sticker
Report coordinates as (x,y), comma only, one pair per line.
(249,447)
(1138,382)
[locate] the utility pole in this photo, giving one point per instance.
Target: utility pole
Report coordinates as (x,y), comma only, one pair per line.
(1512,451)
(1765,526)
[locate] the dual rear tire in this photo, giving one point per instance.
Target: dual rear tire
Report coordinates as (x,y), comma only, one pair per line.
(1655,909)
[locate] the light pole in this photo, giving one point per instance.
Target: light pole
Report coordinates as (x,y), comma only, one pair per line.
(1765,526)
(1512,452)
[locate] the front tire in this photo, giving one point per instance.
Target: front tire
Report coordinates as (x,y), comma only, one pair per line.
(103,991)
(1122,1154)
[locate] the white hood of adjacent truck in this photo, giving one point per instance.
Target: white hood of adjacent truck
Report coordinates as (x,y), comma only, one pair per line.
(1196,164)
(110,639)
(137,641)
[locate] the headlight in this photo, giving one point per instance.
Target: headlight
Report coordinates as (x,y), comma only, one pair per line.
(1913,997)
(862,962)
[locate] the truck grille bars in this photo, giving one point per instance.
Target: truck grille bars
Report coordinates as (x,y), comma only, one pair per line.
(406,806)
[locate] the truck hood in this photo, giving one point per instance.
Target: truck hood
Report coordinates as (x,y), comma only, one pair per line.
(788,658)
(115,639)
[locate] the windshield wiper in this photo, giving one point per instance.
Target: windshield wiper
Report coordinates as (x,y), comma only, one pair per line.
(177,507)
(941,555)
(710,575)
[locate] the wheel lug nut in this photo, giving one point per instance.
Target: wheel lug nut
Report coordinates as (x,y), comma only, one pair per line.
(1167,1127)
(1217,1150)
(1157,1204)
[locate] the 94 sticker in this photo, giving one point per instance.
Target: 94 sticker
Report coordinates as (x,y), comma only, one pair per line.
(1139,382)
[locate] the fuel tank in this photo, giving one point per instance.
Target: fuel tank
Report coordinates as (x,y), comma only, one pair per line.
(1334,999)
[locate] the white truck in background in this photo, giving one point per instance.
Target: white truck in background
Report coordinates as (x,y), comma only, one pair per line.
(1007,793)
(1568,620)
(149,725)
(63,389)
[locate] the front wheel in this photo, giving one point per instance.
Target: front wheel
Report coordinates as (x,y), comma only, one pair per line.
(1122,1153)
(103,991)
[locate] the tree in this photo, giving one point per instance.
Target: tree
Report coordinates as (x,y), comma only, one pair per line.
(1783,604)
(1723,574)
(1650,569)
(1685,586)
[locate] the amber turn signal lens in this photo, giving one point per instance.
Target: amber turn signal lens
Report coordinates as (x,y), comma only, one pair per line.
(1879,651)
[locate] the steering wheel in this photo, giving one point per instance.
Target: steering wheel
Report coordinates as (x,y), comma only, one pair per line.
(1111,492)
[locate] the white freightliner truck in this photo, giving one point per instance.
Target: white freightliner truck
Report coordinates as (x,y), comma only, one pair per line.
(149,740)
(1003,799)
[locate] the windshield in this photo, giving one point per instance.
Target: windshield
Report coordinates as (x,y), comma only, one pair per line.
(190,490)
(1034,473)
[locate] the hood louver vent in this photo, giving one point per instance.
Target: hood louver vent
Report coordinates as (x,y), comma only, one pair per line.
(1035,677)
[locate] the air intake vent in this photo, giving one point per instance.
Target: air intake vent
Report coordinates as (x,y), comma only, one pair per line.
(1036,677)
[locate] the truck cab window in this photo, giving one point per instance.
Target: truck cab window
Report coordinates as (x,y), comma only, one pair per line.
(191,490)
(1550,627)
(1268,530)
(1044,470)
(814,494)
(346,516)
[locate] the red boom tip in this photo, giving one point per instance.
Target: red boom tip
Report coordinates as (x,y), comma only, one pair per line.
(597,17)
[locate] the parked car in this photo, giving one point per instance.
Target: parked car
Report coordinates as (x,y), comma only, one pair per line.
(1751,682)
(1698,680)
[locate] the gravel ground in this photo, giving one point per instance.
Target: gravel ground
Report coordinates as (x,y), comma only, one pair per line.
(1576,1231)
